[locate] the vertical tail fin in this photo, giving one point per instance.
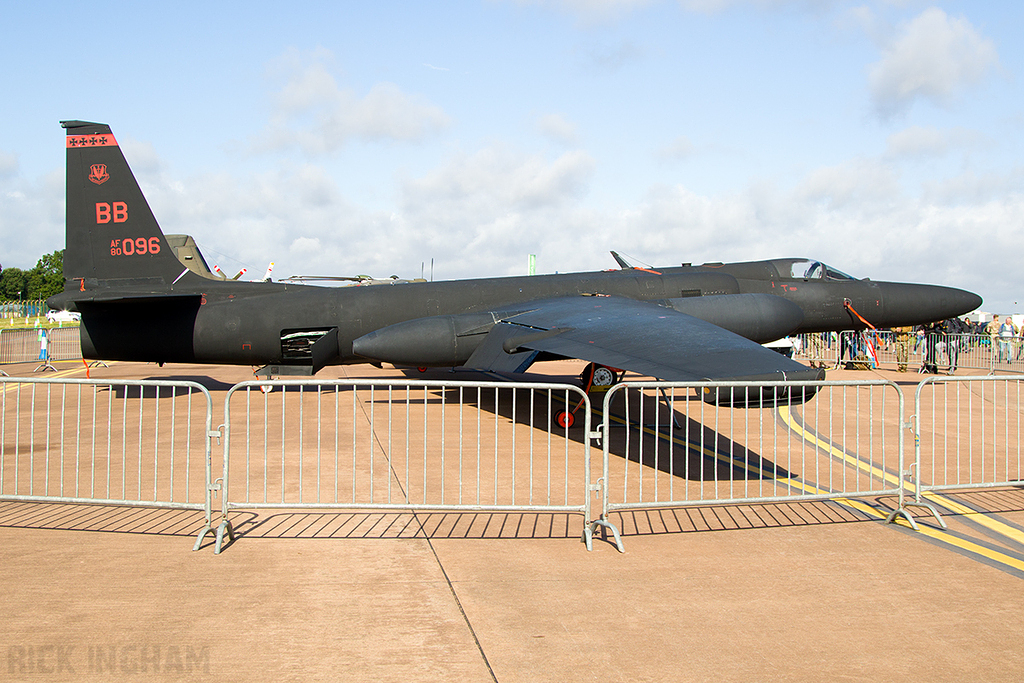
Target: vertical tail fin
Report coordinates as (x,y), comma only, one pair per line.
(111,233)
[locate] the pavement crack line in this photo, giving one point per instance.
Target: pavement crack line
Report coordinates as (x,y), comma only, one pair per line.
(458,603)
(430,544)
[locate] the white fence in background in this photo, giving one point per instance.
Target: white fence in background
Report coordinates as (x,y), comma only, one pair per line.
(39,344)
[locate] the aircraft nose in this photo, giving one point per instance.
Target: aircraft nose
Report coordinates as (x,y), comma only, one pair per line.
(909,304)
(966,301)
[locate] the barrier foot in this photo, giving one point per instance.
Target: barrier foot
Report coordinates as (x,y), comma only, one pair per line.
(224,526)
(44,367)
(208,529)
(931,508)
(905,515)
(588,534)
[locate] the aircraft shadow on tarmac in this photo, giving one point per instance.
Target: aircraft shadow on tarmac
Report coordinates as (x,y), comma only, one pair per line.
(677,445)
(135,391)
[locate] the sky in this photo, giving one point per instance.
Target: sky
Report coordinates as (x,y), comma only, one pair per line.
(403,138)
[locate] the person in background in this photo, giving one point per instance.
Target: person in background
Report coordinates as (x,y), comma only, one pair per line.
(902,347)
(931,337)
(816,350)
(955,329)
(992,328)
(1007,333)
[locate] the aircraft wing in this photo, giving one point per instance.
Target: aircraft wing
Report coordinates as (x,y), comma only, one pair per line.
(632,335)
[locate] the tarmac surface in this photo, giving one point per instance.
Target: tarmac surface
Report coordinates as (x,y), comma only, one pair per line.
(788,592)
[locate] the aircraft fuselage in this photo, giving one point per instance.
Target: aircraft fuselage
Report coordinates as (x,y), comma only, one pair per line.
(244,322)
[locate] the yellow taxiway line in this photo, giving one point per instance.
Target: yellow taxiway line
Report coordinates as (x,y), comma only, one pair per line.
(1004,530)
(10,383)
(942,536)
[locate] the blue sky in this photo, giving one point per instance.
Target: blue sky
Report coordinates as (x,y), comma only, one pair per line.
(350,137)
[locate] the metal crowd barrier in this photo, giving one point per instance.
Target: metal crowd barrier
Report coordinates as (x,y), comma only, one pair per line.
(664,446)
(950,352)
(363,444)
(945,351)
(968,433)
(19,346)
(124,442)
(496,446)
(64,343)
(26,345)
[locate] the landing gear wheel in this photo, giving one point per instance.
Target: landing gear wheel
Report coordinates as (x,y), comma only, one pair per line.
(603,377)
(266,388)
(564,419)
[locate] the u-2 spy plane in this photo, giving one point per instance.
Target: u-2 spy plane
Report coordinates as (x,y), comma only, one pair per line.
(139,302)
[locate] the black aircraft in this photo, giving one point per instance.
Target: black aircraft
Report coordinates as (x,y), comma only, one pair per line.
(140,302)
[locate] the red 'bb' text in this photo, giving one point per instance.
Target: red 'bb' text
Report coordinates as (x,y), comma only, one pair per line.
(105,212)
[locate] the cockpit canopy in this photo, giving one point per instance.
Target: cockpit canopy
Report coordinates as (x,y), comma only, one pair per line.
(806,269)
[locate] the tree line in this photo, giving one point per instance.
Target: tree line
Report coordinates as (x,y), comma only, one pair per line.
(45,280)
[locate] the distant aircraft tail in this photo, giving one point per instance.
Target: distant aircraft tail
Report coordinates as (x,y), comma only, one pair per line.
(111,233)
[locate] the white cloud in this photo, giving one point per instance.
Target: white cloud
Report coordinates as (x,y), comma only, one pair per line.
(8,164)
(592,10)
(31,217)
(845,216)
(603,10)
(313,112)
(935,57)
(510,178)
(305,246)
(611,57)
(484,212)
(477,214)
(972,188)
(860,184)
(927,141)
(677,149)
(717,6)
(557,128)
(481,214)
(144,160)
(709,6)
